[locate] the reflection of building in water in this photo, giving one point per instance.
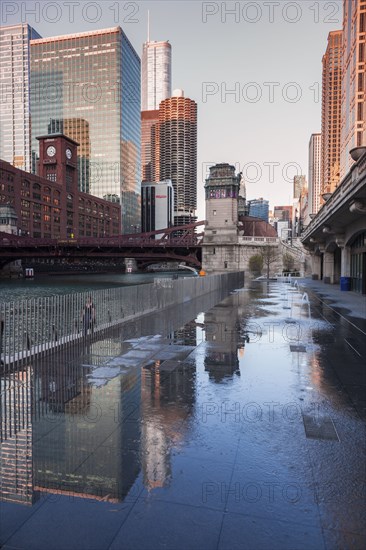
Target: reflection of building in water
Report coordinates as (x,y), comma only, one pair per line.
(88,448)
(16,438)
(57,383)
(60,434)
(187,335)
(167,398)
(223,341)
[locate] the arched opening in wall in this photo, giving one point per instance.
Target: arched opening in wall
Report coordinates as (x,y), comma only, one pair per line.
(333,248)
(358,262)
(337,265)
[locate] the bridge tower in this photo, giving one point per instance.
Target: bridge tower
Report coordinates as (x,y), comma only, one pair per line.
(220,250)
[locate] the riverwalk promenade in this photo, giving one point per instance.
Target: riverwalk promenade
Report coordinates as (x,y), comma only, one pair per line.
(229,422)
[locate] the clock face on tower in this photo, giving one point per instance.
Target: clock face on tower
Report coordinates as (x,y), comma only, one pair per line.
(68,153)
(51,151)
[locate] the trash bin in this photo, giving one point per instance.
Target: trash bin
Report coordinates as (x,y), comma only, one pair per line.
(345,283)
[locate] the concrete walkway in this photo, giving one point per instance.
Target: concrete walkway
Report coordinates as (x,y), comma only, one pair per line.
(242,429)
(351,305)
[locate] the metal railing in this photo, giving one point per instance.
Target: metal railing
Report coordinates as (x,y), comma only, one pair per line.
(262,240)
(31,327)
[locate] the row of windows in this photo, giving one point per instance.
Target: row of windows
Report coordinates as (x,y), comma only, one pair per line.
(221,193)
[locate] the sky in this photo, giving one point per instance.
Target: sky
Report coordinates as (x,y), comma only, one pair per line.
(253,67)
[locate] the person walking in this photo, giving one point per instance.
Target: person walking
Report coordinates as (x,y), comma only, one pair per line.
(88,316)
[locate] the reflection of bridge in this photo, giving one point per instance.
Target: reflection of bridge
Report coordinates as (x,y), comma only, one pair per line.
(175,244)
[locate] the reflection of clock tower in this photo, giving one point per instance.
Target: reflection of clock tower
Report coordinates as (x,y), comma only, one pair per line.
(58,160)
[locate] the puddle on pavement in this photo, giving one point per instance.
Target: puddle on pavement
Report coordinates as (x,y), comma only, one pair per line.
(235,383)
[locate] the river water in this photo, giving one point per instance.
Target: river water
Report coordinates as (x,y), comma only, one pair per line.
(51,285)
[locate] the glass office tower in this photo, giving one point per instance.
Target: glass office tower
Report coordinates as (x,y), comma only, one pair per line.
(15,137)
(87,85)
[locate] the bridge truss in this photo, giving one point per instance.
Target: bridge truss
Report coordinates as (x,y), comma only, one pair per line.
(180,244)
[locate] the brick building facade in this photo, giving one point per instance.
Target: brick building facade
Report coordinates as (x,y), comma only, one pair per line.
(49,205)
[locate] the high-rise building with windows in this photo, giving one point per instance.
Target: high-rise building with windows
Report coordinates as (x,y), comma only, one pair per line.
(150,154)
(331,112)
(87,85)
(157,201)
(299,182)
(314,176)
(156,73)
(353,108)
(15,121)
(178,153)
(259,208)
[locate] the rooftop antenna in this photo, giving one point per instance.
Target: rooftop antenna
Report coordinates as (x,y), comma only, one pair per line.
(148,25)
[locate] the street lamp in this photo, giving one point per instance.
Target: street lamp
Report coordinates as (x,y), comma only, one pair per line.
(357,152)
(326,196)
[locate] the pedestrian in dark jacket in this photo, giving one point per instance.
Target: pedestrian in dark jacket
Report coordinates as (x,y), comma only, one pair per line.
(88,316)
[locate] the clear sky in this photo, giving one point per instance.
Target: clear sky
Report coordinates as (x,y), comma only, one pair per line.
(267,53)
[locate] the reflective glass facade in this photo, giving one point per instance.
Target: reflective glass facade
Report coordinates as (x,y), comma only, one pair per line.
(258,208)
(15,136)
(87,85)
(358,263)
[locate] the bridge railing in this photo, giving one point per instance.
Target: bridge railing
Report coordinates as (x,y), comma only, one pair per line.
(259,240)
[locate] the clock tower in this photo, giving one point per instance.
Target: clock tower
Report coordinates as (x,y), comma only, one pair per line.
(58,160)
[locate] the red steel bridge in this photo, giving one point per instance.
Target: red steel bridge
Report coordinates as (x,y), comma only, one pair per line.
(180,244)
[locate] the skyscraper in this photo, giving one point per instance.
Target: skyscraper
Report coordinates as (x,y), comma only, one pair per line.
(314,176)
(157,201)
(331,112)
(150,154)
(178,153)
(15,123)
(299,183)
(156,72)
(88,84)
(258,208)
(353,119)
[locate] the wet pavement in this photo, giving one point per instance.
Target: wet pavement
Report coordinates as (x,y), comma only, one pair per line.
(241,428)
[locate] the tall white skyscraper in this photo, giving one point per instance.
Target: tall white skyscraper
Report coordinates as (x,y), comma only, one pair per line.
(156,74)
(314,178)
(15,123)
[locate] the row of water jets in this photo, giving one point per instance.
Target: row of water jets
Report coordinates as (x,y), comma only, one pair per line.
(303,301)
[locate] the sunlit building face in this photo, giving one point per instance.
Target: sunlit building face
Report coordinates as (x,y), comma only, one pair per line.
(15,138)
(87,85)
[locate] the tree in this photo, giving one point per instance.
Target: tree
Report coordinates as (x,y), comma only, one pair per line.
(288,262)
(269,256)
(256,264)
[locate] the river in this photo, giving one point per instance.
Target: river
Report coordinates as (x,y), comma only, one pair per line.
(51,285)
